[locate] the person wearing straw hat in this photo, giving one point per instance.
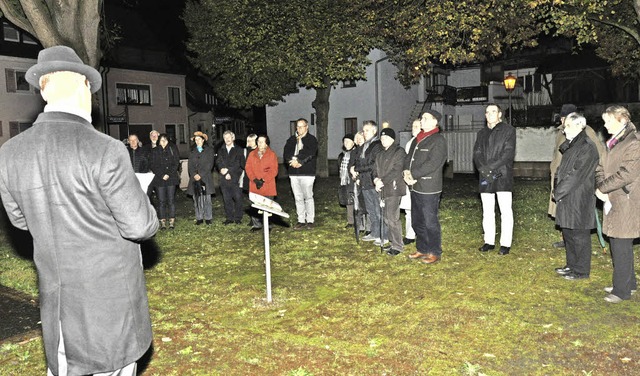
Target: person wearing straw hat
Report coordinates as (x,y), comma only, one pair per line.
(86,211)
(200,167)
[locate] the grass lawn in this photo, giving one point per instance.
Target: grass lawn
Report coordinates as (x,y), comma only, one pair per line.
(341,308)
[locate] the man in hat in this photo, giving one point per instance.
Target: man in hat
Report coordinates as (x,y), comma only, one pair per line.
(493,155)
(387,177)
(80,200)
(565,110)
(423,174)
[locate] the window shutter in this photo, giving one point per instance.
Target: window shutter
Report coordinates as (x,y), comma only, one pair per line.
(14,128)
(10,75)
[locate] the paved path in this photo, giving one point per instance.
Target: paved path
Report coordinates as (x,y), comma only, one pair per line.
(19,315)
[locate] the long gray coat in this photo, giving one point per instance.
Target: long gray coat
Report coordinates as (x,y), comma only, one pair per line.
(75,191)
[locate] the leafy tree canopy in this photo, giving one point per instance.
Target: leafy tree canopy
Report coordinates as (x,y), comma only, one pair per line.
(612,25)
(258,50)
(418,34)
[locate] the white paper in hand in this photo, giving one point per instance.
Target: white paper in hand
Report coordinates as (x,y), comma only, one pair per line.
(607,207)
(145,179)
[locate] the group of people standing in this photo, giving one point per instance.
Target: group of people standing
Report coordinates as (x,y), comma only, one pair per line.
(584,171)
(385,177)
(162,158)
(252,169)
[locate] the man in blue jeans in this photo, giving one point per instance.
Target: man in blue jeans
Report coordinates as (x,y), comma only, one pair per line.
(362,171)
(423,174)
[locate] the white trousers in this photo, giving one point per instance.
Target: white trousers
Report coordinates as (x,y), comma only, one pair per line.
(128,370)
(489,217)
(302,187)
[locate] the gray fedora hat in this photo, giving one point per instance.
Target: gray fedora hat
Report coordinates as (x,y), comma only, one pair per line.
(62,59)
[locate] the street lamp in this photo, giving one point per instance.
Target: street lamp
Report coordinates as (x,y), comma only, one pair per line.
(509,85)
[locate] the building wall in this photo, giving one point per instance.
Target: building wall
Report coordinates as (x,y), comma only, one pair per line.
(159,113)
(22,106)
(394,104)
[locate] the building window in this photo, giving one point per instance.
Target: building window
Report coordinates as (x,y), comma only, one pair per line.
(292,127)
(174,96)
(350,125)
(171,132)
(210,99)
(11,34)
(16,81)
(348,83)
(133,94)
(15,128)
(182,135)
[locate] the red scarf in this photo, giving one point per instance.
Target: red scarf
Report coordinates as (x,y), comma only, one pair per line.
(422,135)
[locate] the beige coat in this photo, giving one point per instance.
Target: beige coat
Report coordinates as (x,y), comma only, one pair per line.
(618,175)
(557,158)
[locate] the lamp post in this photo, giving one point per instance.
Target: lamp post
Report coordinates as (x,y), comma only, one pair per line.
(509,85)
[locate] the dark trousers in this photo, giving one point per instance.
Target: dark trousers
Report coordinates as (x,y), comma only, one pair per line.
(624,275)
(425,222)
(372,204)
(392,222)
(577,244)
(233,202)
(166,201)
(256,217)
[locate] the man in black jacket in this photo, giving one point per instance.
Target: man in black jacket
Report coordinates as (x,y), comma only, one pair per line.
(493,155)
(300,155)
(387,178)
(362,173)
(230,163)
(138,155)
(423,174)
(574,196)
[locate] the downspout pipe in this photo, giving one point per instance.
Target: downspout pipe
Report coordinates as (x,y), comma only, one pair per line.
(377,85)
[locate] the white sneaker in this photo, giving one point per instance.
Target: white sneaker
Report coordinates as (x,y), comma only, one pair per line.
(610,288)
(368,238)
(377,242)
(612,298)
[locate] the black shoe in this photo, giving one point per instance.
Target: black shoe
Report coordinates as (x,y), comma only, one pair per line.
(563,270)
(310,226)
(393,252)
(504,250)
(408,241)
(198,222)
(254,229)
(208,221)
(573,276)
(559,244)
(348,225)
(486,247)
(227,222)
(367,233)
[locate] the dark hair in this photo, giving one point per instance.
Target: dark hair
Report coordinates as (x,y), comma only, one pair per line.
(266,139)
(493,104)
(165,136)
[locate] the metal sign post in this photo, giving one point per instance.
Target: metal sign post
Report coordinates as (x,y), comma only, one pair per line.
(268,208)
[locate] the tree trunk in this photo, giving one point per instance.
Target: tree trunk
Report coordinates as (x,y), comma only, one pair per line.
(321,105)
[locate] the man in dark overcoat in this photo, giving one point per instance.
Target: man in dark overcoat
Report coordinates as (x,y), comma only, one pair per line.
(74,190)
(493,155)
(574,194)
(230,163)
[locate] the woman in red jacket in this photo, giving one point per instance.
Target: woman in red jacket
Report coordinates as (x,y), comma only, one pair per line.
(262,170)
